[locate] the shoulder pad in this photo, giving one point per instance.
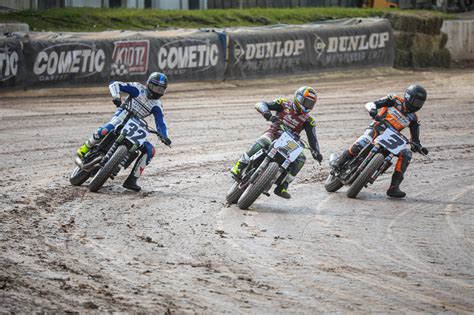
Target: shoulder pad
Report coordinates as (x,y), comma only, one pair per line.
(280,100)
(391,96)
(311,121)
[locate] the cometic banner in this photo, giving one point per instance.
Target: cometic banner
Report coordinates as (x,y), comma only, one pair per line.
(12,62)
(82,59)
(280,50)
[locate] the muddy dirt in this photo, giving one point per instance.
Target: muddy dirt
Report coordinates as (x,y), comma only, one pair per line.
(175,247)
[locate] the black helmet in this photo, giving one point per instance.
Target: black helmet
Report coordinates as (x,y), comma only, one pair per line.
(156,85)
(415,97)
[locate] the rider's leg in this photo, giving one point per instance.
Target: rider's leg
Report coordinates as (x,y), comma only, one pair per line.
(293,170)
(404,159)
(143,160)
(262,142)
(370,133)
(101,132)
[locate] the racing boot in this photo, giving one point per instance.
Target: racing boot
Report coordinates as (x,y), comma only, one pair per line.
(394,190)
(345,156)
(131,183)
(242,163)
(84,149)
(282,191)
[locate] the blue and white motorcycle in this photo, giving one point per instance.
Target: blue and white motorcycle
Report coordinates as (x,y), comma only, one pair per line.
(115,152)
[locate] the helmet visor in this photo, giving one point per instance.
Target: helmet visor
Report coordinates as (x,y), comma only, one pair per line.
(417,103)
(157,89)
(308,104)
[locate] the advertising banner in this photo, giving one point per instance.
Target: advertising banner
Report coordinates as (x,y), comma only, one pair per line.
(77,60)
(12,62)
(307,48)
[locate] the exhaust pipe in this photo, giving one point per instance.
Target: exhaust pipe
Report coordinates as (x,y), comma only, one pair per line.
(89,166)
(79,163)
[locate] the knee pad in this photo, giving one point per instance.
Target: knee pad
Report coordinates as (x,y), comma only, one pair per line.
(103,131)
(361,142)
(150,151)
(263,141)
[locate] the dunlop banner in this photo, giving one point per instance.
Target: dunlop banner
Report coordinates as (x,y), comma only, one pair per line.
(83,59)
(12,62)
(271,51)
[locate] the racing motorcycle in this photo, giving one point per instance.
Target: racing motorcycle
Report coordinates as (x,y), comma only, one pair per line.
(372,161)
(117,150)
(265,168)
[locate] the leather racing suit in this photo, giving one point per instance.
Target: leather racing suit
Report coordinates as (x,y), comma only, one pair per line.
(137,95)
(296,122)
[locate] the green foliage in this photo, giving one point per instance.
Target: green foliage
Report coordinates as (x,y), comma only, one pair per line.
(91,20)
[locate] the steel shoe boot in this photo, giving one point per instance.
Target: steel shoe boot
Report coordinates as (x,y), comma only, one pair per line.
(83,150)
(345,156)
(237,168)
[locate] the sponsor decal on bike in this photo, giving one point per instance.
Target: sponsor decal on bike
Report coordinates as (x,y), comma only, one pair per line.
(8,63)
(275,49)
(185,56)
(351,48)
(130,57)
(61,61)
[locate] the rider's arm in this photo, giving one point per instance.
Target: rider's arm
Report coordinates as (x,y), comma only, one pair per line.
(415,131)
(310,128)
(116,87)
(160,120)
(265,107)
(373,107)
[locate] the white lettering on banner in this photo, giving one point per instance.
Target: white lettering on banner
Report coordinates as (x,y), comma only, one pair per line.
(184,57)
(278,49)
(8,64)
(50,63)
(339,44)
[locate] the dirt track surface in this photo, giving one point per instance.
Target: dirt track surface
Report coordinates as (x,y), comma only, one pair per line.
(175,247)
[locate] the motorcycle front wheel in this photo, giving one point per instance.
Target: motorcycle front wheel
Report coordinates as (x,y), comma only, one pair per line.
(254,190)
(104,173)
(365,175)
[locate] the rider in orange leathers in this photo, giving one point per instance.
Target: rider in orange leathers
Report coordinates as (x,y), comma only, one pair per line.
(399,112)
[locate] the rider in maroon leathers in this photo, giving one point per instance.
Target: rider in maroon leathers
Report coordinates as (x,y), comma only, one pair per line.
(294,115)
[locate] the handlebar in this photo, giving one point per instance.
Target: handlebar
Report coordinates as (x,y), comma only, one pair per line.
(298,138)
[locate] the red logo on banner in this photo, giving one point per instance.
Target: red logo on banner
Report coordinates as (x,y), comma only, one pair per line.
(130,57)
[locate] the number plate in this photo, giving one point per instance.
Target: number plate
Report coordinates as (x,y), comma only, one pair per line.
(286,141)
(392,141)
(135,131)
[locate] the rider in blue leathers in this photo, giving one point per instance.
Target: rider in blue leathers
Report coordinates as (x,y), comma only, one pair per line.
(145,99)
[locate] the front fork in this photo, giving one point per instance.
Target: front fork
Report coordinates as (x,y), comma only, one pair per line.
(385,166)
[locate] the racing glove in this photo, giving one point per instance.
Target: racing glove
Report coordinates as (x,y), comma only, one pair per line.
(317,156)
(419,148)
(373,113)
(166,140)
(269,117)
(117,101)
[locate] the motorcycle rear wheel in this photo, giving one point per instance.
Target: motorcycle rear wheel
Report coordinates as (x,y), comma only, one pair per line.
(254,190)
(234,193)
(104,173)
(332,183)
(365,175)
(78,176)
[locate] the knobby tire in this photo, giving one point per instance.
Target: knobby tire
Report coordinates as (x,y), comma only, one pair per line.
(365,175)
(103,174)
(255,190)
